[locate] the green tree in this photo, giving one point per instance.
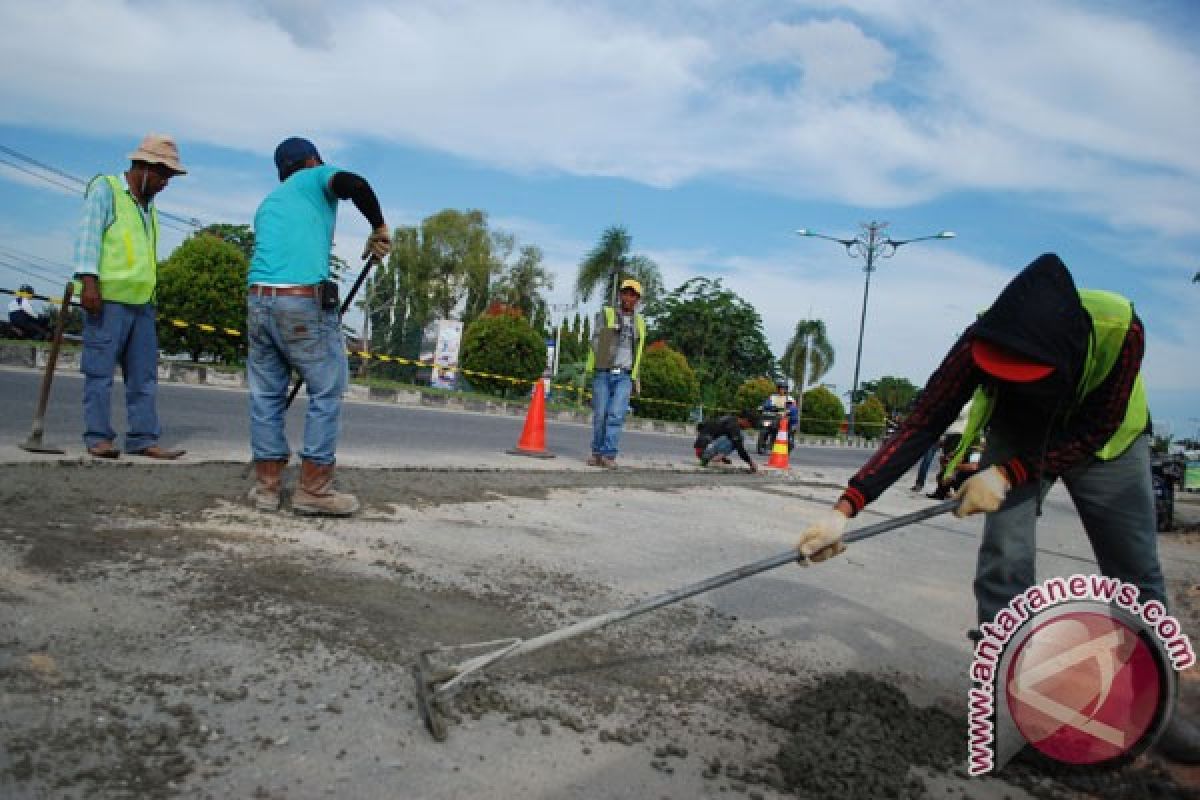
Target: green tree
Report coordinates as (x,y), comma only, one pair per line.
(241,236)
(753,393)
(868,418)
(896,394)
(609,262)
(444,264)
(522,283)
(456,260)
(824,412)
(203,281)
(669,385)
(720,334)
(502,344)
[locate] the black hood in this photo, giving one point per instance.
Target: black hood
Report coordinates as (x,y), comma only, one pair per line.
(1039,315)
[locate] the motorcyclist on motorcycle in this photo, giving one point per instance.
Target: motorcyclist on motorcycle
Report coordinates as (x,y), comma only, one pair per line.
(776,405)
(23,316)
(781,401)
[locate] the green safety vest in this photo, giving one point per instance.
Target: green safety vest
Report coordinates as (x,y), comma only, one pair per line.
(607,342)
(1111,315)
(128,253)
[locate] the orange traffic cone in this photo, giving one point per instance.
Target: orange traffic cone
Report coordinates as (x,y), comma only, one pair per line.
(779,450)
(533,435)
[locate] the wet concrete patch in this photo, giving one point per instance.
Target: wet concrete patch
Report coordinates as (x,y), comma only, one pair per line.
(75,488)
(235,654)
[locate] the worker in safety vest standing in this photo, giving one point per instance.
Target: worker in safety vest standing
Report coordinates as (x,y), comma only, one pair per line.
(616,355)
(116,261)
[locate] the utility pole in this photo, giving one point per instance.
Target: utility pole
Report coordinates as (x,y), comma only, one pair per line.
(869,245)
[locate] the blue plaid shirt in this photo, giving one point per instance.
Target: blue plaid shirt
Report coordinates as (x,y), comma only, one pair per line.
(98,215)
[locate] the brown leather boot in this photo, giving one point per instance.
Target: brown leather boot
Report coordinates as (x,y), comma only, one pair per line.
(315,495)
(268,481)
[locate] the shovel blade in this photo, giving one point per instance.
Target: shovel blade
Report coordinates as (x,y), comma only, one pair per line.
(34,444)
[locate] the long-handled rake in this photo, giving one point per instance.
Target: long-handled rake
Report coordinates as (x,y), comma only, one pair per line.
(436,683)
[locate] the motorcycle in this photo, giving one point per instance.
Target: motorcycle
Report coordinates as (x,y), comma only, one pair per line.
(768,428)
(1166,472)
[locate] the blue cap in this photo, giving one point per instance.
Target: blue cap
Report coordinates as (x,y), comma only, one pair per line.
(292,151)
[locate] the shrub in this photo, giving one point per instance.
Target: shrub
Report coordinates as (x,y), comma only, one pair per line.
(868,418)
(665,375)
(203,281)
(822,413)
(753,393)
(502,344)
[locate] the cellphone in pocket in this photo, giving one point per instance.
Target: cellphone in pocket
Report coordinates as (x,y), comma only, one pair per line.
(327,291)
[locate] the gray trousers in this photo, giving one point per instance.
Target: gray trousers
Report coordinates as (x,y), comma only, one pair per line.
(1115,501)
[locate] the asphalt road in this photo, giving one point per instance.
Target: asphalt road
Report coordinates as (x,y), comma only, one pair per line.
(212,422)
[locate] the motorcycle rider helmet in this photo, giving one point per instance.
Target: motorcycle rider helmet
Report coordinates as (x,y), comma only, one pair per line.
(25,289)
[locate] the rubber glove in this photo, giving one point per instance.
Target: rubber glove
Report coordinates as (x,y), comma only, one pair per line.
(379,243)
(983,491)
(822,538)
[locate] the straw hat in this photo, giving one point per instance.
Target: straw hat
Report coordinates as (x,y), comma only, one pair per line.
(158,148)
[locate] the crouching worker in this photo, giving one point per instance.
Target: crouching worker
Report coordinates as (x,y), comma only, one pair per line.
(294,323)
(1053,374)
(724,435)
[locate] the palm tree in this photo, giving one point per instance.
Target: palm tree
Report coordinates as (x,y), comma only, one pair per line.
(608,261)
(807,358)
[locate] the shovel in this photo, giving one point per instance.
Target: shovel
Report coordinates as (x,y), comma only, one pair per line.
(34,443)
(435,684)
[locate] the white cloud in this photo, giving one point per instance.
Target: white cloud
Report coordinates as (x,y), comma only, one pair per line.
(870,103)
(843,107)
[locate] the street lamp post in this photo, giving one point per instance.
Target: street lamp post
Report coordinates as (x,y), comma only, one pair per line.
(873,243)
(555,308)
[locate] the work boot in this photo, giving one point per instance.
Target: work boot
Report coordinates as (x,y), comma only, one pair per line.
(268,480)
(1180,742)
(315,495)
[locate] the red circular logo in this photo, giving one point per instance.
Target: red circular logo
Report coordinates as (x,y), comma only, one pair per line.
(1084,687)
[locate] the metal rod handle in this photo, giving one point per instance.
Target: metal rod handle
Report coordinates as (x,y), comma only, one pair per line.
(667,598)
(52,361)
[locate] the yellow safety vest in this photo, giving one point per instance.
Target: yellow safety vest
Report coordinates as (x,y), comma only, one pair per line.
(608,341)
(1111,316)
(128,253)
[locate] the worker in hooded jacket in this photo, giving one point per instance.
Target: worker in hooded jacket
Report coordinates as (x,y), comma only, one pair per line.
(1053,376)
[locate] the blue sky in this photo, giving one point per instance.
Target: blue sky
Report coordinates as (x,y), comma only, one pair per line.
(710,130)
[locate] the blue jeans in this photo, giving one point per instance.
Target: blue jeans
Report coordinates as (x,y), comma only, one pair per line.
(926,463)
(1115,501)
(120,334)
(288,333)
(610,402)
(718,446)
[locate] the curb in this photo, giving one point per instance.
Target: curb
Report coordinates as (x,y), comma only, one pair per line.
(31,357)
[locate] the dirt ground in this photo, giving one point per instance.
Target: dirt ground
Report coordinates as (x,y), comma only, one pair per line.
(158,638)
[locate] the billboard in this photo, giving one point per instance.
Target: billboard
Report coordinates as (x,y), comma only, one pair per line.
(439,346)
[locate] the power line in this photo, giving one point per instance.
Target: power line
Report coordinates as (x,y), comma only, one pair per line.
(81,185)
(25,270)
(13,252)
(38,175)
(40,165)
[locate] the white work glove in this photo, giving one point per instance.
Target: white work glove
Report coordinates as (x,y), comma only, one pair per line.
(983,491)
(822,538)
(379,243)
